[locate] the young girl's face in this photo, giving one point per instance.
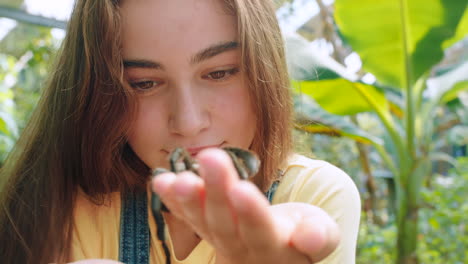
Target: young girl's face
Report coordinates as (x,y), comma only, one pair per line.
(183,59)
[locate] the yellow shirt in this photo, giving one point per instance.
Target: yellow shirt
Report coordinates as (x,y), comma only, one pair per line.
(97,227)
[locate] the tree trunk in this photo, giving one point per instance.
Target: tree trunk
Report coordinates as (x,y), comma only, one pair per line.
(370,204)
(407,223)
(408,194)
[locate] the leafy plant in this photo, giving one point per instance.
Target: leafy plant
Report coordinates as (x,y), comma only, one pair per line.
(443,217)
(399,42)
(8,126)
(24,61)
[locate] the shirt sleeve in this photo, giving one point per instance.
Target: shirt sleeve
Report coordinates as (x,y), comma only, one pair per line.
(323,185)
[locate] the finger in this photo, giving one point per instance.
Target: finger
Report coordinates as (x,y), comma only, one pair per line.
(316,236)
(189,190)
(163,185)
(255,223)
(219,174)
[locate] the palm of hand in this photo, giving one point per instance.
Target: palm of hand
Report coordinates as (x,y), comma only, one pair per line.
(237,220)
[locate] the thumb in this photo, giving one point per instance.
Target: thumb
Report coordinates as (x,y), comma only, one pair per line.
(316,237)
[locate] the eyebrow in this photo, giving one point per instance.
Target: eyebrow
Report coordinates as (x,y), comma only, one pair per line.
(213,51)
(147,64)
(205,54)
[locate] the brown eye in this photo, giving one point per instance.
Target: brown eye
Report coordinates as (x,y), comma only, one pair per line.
(217,75)
(221,75)
(144,85)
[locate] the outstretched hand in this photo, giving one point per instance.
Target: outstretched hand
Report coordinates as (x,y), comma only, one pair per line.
(235,217)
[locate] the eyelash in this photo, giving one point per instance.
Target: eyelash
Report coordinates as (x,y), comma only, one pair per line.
(226,75)
(228,72)
(137,85)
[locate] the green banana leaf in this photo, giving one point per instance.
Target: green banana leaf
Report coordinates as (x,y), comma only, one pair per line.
(342,97)
(330,78)
(454,92)
(311,118)
(399,41)
(462,31)
(395,102)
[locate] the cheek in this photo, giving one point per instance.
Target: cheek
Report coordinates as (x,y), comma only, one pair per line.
(250,121)
(142,128)
(237,117)
(145,135)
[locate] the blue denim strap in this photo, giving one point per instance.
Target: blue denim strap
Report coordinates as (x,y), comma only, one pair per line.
(134,241)
(271,192)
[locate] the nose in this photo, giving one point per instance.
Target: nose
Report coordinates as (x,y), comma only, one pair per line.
(189,114)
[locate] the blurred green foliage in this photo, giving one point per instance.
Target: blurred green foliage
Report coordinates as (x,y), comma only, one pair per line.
(443,230)
(444,219)
(401,46)
(26,54)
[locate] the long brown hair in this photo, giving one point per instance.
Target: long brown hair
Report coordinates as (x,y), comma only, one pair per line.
(264,60)
(76,136)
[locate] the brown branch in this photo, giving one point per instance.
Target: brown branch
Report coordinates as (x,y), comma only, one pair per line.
(447,125)
(329,32)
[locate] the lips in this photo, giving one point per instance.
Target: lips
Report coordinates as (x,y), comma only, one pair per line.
(194,150)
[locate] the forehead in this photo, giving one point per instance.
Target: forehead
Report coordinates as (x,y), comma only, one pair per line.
(162,26)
